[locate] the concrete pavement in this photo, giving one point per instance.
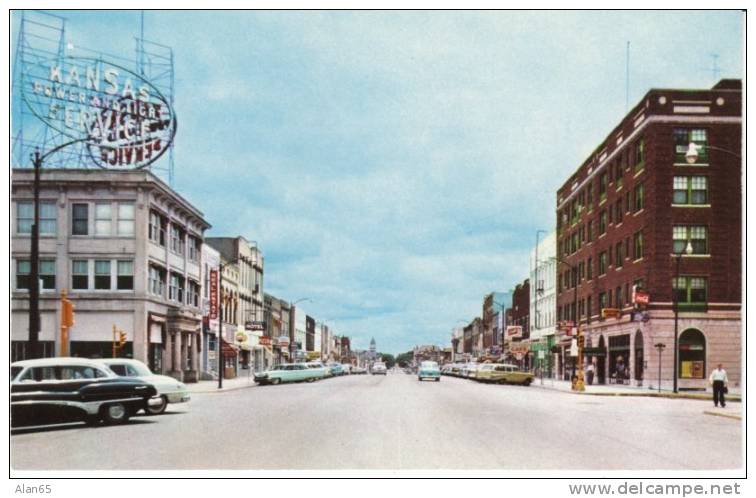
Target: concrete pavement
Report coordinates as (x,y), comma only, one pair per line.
(396,422)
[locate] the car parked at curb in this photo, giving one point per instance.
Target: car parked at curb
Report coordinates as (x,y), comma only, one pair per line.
(59,390)
(319,370)
(502,373)
(169,390)
(429,370)
(288,372)
(336,368)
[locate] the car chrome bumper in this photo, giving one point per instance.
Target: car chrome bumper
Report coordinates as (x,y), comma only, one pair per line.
(180,397)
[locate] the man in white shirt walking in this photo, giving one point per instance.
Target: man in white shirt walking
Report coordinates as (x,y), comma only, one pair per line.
(718,379)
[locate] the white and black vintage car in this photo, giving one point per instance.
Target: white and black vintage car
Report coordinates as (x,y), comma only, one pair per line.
(58,390)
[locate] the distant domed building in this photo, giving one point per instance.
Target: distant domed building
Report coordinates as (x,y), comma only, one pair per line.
(372,354)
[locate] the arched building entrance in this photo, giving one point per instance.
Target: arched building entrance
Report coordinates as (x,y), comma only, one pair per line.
(692,355)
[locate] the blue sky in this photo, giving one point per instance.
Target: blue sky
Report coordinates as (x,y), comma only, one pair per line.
(394,166)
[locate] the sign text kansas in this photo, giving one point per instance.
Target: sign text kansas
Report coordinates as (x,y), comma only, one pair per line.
(122,118)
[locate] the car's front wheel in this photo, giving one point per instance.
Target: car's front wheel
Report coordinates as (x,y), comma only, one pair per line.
(438,379)
(275,381)
(115,413)
(158,409)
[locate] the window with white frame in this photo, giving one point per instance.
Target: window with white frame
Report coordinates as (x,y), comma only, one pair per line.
(103,219)
(80,274)
(126,219)
(157,280)
(176,288)
(690,190)
(194,249)
(177,240)
(48,219)
(125,278)
(102,274)
(696,235)
(157,228)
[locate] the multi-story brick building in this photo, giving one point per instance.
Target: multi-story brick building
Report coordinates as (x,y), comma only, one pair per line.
(631,213)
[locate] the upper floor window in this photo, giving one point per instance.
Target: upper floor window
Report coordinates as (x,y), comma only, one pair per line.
(46,274)
(684,137)
(589,269)
(618,209)
(125,280)
(602,263)
(618,259)
(157,228)
(157,280)
(103,219)
(80,219)
(48,224)
(638,245)
(690,290)
(690,190)
(696,235)
(80,274)
(589,197)
(618,174)
(176,288)
(194,249)
(640,155)
(602,222)
(602,186)
(102,274)
(125,218)
(192,293)
(639,197)
(177,240)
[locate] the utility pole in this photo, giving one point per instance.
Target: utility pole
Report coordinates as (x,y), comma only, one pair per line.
(34,318)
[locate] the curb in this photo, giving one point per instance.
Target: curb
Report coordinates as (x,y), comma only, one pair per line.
(725,415)
(732,399)
(215,390)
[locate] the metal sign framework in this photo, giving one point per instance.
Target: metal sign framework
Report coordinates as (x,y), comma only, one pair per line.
(42,38)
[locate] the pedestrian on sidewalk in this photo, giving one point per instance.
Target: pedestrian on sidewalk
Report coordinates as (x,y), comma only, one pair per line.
(718,380)
(589,373)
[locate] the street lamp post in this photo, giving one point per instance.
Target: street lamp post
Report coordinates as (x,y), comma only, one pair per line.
(660,347)
(34,318)
(678,256)
(691,155)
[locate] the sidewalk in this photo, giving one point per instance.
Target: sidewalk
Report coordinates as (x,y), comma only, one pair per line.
(628,390)
(211,386)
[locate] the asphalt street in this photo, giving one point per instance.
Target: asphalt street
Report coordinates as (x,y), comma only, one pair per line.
(396,422)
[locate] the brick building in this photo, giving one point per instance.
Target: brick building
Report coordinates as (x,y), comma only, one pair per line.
(630,214)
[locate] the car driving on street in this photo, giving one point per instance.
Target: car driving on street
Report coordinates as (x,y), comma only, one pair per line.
(378,368)
(429,370)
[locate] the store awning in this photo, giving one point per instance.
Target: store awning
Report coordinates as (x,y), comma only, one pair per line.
(228,349)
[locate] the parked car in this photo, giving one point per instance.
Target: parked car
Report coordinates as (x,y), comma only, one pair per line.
(456,369)
(513,375)
(336,368)
(169,390)
(378,368)
(59,390)
(429,370)
(288,372)
(321,371)
(469,370)
(358,371)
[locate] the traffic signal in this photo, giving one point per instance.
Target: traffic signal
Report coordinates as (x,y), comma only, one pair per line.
(67,313)
(121,338)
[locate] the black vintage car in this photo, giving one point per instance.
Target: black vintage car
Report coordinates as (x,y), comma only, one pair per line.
(58,390)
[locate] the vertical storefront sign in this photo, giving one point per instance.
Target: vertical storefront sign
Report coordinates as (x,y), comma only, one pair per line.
(213,294)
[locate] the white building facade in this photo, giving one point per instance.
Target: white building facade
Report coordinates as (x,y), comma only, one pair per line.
(543,274)
(127,248)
